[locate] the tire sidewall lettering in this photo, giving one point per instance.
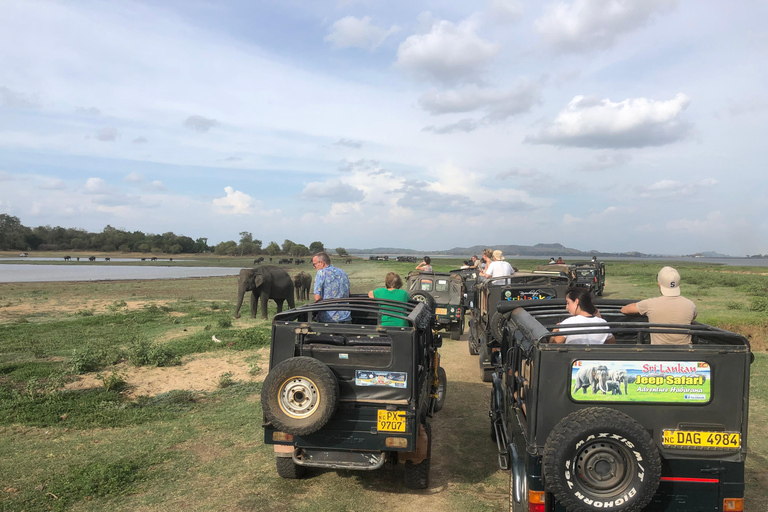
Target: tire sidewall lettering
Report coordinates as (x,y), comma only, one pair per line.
(570,475)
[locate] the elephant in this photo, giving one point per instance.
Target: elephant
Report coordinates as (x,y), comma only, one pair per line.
(302,282)
(619,376)
(348,260)
(594,376)
(106,259)
(91,258)
(264,283)
(67,258)
(153,258)
(258,260)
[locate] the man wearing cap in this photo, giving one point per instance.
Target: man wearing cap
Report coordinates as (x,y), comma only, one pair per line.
(670,308)
(498,267)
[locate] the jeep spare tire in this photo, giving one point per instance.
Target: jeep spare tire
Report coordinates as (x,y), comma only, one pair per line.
(299,395)
(424,297)
(601,459)
(497,325)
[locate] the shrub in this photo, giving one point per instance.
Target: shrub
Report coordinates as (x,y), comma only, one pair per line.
(759,304)
(225,380)
(84,312)
(146,353)
(117,305)
(732,304)
(113,382)
(225,322)
(90,358)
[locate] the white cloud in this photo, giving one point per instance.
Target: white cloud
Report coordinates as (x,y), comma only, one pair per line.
(664,189)
(140,140)
(52,184)
(97,186)
(349,143)
(636,122)
(15,100)
(235,203)
(607,160)
(335,190)
(107,134)
(505,11)
(134,177)
(200,123)
(351,32)
(499,104)
(584,25)
(713,222)
(448,54)
(463,125)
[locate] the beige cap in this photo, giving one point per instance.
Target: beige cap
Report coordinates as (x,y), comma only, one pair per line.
(669,281)
(498,255)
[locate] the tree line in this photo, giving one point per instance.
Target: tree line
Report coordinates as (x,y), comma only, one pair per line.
(15,236)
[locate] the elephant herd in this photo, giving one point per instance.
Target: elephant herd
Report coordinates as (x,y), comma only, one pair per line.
(269,282)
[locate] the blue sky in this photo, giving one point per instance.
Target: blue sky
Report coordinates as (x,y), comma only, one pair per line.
(613,125)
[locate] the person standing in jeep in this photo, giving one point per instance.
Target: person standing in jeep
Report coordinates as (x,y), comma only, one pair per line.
(498,267)
(670,308)
(330,283)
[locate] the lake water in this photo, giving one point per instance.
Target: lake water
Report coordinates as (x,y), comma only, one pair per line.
(20,273)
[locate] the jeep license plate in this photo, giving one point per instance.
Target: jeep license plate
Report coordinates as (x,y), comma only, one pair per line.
(391,421)
(441,311)
(701,439)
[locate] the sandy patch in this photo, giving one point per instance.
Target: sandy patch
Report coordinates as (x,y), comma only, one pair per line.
(197,373)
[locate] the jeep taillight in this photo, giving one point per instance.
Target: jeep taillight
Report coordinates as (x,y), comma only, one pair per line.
(535,501)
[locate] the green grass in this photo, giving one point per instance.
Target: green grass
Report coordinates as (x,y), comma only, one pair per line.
(95,450)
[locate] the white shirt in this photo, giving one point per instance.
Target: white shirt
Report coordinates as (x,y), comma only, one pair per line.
(585,339)
(499,268)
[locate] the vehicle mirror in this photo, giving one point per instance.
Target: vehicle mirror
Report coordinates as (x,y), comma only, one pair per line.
(437,341)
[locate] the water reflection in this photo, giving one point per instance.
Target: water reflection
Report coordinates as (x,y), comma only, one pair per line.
(16,273)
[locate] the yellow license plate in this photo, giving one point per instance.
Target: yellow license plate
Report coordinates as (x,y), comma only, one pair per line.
(391,421)
(701,439)
(441,311)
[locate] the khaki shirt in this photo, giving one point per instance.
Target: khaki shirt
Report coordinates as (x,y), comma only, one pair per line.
(668,310)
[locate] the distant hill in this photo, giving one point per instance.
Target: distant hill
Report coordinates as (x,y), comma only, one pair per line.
(539,250)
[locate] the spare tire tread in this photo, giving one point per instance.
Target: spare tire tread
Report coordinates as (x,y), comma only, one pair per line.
(326,385)
(565,450)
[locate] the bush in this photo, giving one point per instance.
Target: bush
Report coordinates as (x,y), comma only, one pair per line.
(225,322)
(91,358)
(113,382)
(84,312)
(732,304)
(759,304)
(225,380)
(146,353)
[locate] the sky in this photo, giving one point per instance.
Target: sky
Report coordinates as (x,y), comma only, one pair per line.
(608,125)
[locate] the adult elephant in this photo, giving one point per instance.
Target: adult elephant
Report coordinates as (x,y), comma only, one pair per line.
(264,283)
(302,282)
(91,258)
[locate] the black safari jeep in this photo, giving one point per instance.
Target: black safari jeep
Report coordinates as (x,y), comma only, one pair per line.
(443,292)
(353,395)
(625,427)
(590,275)
(485,324)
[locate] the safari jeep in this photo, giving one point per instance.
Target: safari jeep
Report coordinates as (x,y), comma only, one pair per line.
(590,275)
(485,324)
(624,427)
(355,395)
(444,294)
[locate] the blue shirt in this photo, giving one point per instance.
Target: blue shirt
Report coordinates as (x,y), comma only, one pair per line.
(332,283)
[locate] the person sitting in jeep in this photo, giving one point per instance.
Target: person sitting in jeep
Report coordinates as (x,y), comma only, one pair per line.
(498,267)
(425,266)
(391,291)
(670,308)
(578,302)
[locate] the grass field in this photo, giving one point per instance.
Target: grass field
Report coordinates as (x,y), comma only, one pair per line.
(115,395)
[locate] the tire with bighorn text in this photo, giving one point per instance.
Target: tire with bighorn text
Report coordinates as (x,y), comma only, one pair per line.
(601,459)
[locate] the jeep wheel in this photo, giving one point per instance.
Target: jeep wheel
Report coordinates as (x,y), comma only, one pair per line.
(474,347)
(424,297)
(442,387)
(597,458)
(455,331)
(299,395)
(286,468)
(487,374)
(417,475)
(497,325)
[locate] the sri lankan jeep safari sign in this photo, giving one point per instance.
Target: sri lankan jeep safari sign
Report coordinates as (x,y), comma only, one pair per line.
(680,382)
